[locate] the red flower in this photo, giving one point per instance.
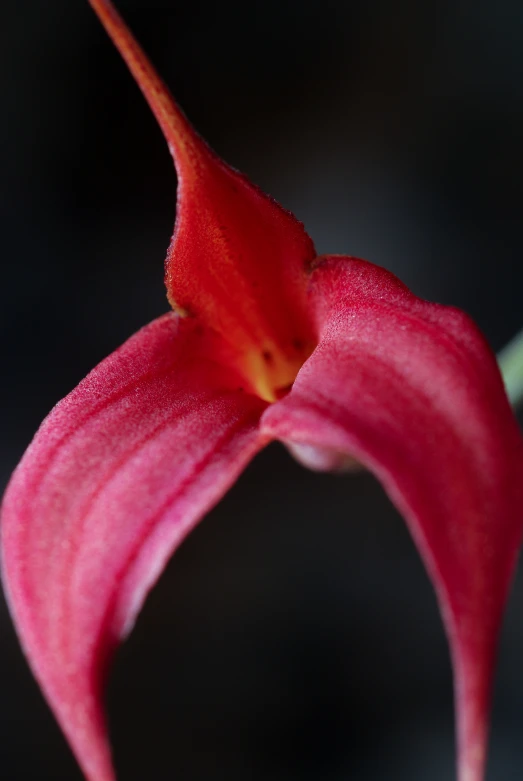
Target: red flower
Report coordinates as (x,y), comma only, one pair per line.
(331,355)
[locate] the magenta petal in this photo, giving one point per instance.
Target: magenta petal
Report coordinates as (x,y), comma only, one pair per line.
(412,391)
(115,478)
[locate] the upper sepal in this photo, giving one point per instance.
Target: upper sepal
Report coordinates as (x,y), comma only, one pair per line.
(237,261)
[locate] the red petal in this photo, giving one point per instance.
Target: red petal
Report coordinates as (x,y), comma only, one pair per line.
(412,391)
(237,259)
(115,478)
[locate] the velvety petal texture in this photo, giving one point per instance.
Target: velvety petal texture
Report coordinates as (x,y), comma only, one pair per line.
(412,391)
(125,466)
(117,475)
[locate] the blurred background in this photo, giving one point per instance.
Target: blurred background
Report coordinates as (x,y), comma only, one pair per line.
(294,636)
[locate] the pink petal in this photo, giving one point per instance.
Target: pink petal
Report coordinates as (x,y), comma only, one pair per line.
(412,391)
(117,475)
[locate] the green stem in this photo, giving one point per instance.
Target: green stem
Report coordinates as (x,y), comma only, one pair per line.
(511,364)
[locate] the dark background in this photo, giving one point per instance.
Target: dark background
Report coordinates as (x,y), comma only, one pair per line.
(294,637)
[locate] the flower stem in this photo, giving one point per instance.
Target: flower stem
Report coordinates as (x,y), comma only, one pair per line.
(511,364)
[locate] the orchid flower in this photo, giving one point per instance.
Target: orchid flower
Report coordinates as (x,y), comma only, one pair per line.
(332,356)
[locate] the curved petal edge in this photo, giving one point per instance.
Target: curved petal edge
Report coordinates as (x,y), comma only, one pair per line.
(117,475)
(413,392)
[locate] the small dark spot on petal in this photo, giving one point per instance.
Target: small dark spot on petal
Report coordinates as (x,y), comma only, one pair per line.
(267,356)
